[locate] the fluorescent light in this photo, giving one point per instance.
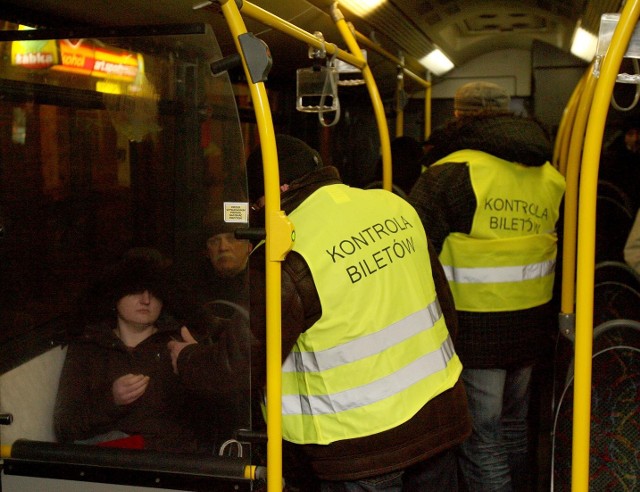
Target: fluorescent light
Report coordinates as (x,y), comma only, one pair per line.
(437,62)
(362,7)
(584,44)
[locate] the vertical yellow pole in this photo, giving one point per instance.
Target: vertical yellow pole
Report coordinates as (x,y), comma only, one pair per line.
(586,242)
(568,116)
(576,142)
(278,242)
(378,108)
(427,110)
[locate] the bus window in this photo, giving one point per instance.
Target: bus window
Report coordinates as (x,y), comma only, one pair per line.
(111,143)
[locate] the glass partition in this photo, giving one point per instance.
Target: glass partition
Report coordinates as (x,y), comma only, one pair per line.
(118,145)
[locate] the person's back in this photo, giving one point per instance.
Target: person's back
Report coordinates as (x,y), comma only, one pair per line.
(497,171)
(490,205)
(370,376)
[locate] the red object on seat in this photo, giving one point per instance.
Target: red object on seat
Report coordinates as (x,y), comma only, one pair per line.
(131,442)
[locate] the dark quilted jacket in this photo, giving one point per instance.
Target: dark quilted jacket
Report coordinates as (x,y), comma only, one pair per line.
(446,203)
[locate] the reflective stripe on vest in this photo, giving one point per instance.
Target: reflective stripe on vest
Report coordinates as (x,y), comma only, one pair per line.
(381,349)
(507,261)
(499,274)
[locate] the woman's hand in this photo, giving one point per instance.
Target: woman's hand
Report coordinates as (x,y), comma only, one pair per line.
(128,388)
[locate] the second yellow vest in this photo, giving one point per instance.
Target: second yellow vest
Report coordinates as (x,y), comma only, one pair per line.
(507,261)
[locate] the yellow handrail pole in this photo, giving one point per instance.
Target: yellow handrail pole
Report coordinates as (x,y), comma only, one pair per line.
(399,123)
(568,116)
(574,156)
(365,41)
(562,142)
(586,241)
(268,19)
(277,227)
(427,112)
(378,108)
(425,82)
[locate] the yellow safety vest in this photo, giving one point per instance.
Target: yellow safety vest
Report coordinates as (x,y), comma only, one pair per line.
(507,261)
(380,349)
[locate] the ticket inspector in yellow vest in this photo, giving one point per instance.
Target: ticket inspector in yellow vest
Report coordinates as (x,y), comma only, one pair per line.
(381,349)
(507,261)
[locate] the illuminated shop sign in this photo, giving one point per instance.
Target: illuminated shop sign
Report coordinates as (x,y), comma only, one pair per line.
(75,56)
(122,65)
(85,57)
(34,54)
(81,56)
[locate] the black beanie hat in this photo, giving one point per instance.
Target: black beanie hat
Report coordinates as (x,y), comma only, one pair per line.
(295,159)
(134,273)
(140,269)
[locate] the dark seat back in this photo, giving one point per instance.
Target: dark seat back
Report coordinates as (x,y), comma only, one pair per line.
(615,413)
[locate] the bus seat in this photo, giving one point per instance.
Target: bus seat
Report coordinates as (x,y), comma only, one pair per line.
(615,300)
(28,392)
(615,413)
(613,223)
(613,191)
(616,271)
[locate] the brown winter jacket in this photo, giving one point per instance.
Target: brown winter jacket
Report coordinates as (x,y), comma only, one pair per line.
(85,407)
(441,424)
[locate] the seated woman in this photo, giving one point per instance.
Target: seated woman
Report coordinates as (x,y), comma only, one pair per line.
(117,380)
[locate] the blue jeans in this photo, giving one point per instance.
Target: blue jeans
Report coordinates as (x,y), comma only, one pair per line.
(438,474)
(495,457)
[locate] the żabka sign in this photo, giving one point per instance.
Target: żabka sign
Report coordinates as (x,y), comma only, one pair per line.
(34,54)
(80,56)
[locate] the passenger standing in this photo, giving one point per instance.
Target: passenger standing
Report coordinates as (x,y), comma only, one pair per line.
(371,393)
(117,381)
(490,207)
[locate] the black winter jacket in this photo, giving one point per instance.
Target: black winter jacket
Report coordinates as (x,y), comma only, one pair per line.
(446,203)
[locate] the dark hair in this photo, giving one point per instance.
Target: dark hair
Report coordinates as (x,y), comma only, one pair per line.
(133,275)
(130,275)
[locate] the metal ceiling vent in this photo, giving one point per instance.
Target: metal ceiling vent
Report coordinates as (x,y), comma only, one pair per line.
(390,17)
